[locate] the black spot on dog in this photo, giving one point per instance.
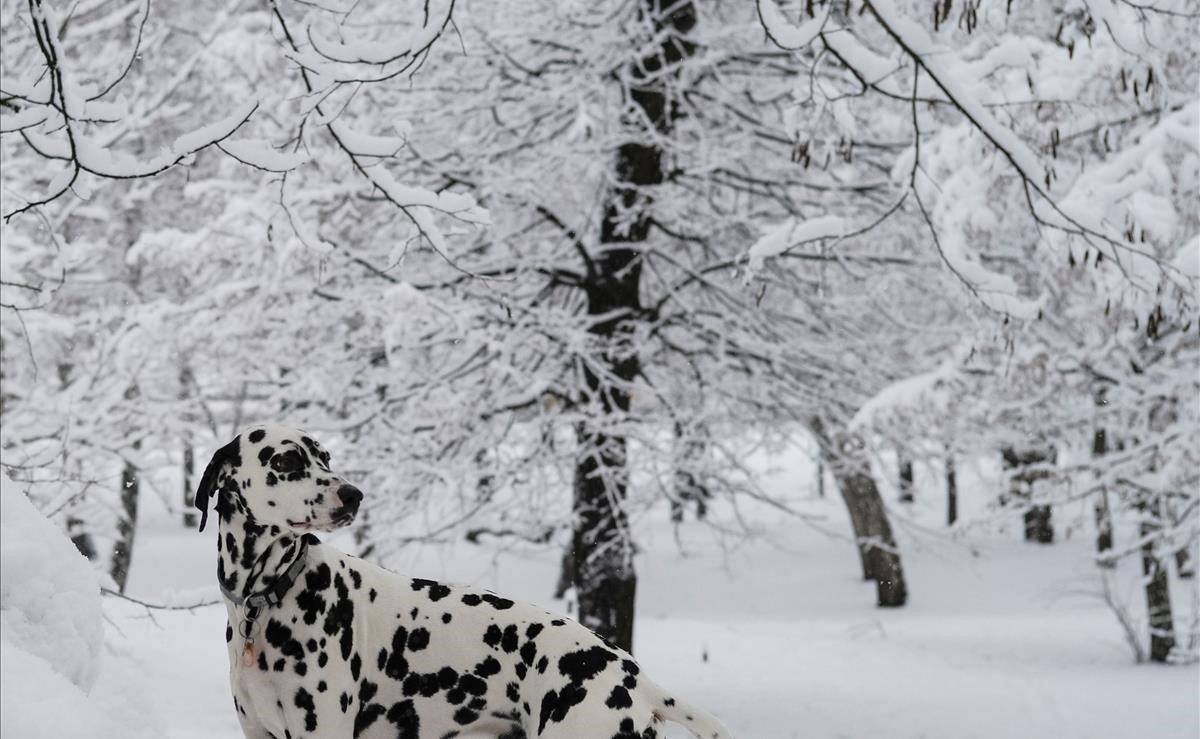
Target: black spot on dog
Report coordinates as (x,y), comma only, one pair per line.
(437,591)
(500,604)
(509,642)
(304,701)
(418,640)
(556,705)
(465,716)
(488,667)
(340,618)
(265,454)
(311,600)
(585,664)
(447,677)
(618,698)
(280,637)
(256,436)
(365,717)
(404,716)
(472,684)
(492,636)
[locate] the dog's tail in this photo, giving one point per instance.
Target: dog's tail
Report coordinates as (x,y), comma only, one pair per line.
(701,723)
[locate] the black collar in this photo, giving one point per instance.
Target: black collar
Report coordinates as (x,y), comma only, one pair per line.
(272,595)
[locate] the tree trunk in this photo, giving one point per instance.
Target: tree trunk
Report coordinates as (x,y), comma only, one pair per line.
(906,479)
(820,477)
(604,577)
(566,573)
(77,530)
(1104,529)
(603,573)
(1039,526)
(1158,596)
(189,486)
(127,524)
(951,491)
(1184,564)
(878,553)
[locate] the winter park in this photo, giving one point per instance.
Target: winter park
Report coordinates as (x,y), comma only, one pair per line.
(822,369)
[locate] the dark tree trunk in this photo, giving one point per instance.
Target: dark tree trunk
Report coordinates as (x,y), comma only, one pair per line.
(603,574)
(877,548)
(604,578)
(1104,529)
(1039,526)
(951,491)
(820,477)
(1158,596)
(566,573)
(127,525)
(1184,563)
(189,486)
(76,529)
(906,479)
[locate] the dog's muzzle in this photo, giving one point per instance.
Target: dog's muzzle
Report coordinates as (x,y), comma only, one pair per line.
(350,498)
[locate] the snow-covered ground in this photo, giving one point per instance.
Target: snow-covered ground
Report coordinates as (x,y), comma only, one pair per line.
(776,635)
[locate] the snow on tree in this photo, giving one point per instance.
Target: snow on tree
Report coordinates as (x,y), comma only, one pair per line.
(1052,156)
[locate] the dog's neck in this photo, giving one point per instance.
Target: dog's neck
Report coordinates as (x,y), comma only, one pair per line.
(250,556)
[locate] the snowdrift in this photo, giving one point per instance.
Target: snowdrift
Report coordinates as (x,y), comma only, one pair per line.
(51,635)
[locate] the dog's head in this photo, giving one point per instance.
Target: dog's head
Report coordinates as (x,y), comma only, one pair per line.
(277,476)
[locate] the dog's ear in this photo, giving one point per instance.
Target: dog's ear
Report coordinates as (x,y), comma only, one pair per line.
(208,482)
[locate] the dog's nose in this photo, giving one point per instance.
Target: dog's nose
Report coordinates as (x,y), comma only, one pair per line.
(349,495)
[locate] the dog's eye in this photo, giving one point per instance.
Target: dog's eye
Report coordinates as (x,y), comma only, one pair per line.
(287,462)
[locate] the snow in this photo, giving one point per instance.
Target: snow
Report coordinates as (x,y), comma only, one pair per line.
(93,156)
(366,145)
(49,598)
(52,680)
(777,636)
(261,154)
(24,118)
(382,52)
(779,238)
(784,33)
(918,40)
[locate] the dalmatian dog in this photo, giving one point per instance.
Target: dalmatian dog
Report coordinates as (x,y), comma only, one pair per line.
(323,645)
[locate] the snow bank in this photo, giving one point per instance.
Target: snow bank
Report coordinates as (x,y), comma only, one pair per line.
(51,632)
(49,597)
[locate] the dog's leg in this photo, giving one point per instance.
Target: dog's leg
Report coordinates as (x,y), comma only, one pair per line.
(250,726)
